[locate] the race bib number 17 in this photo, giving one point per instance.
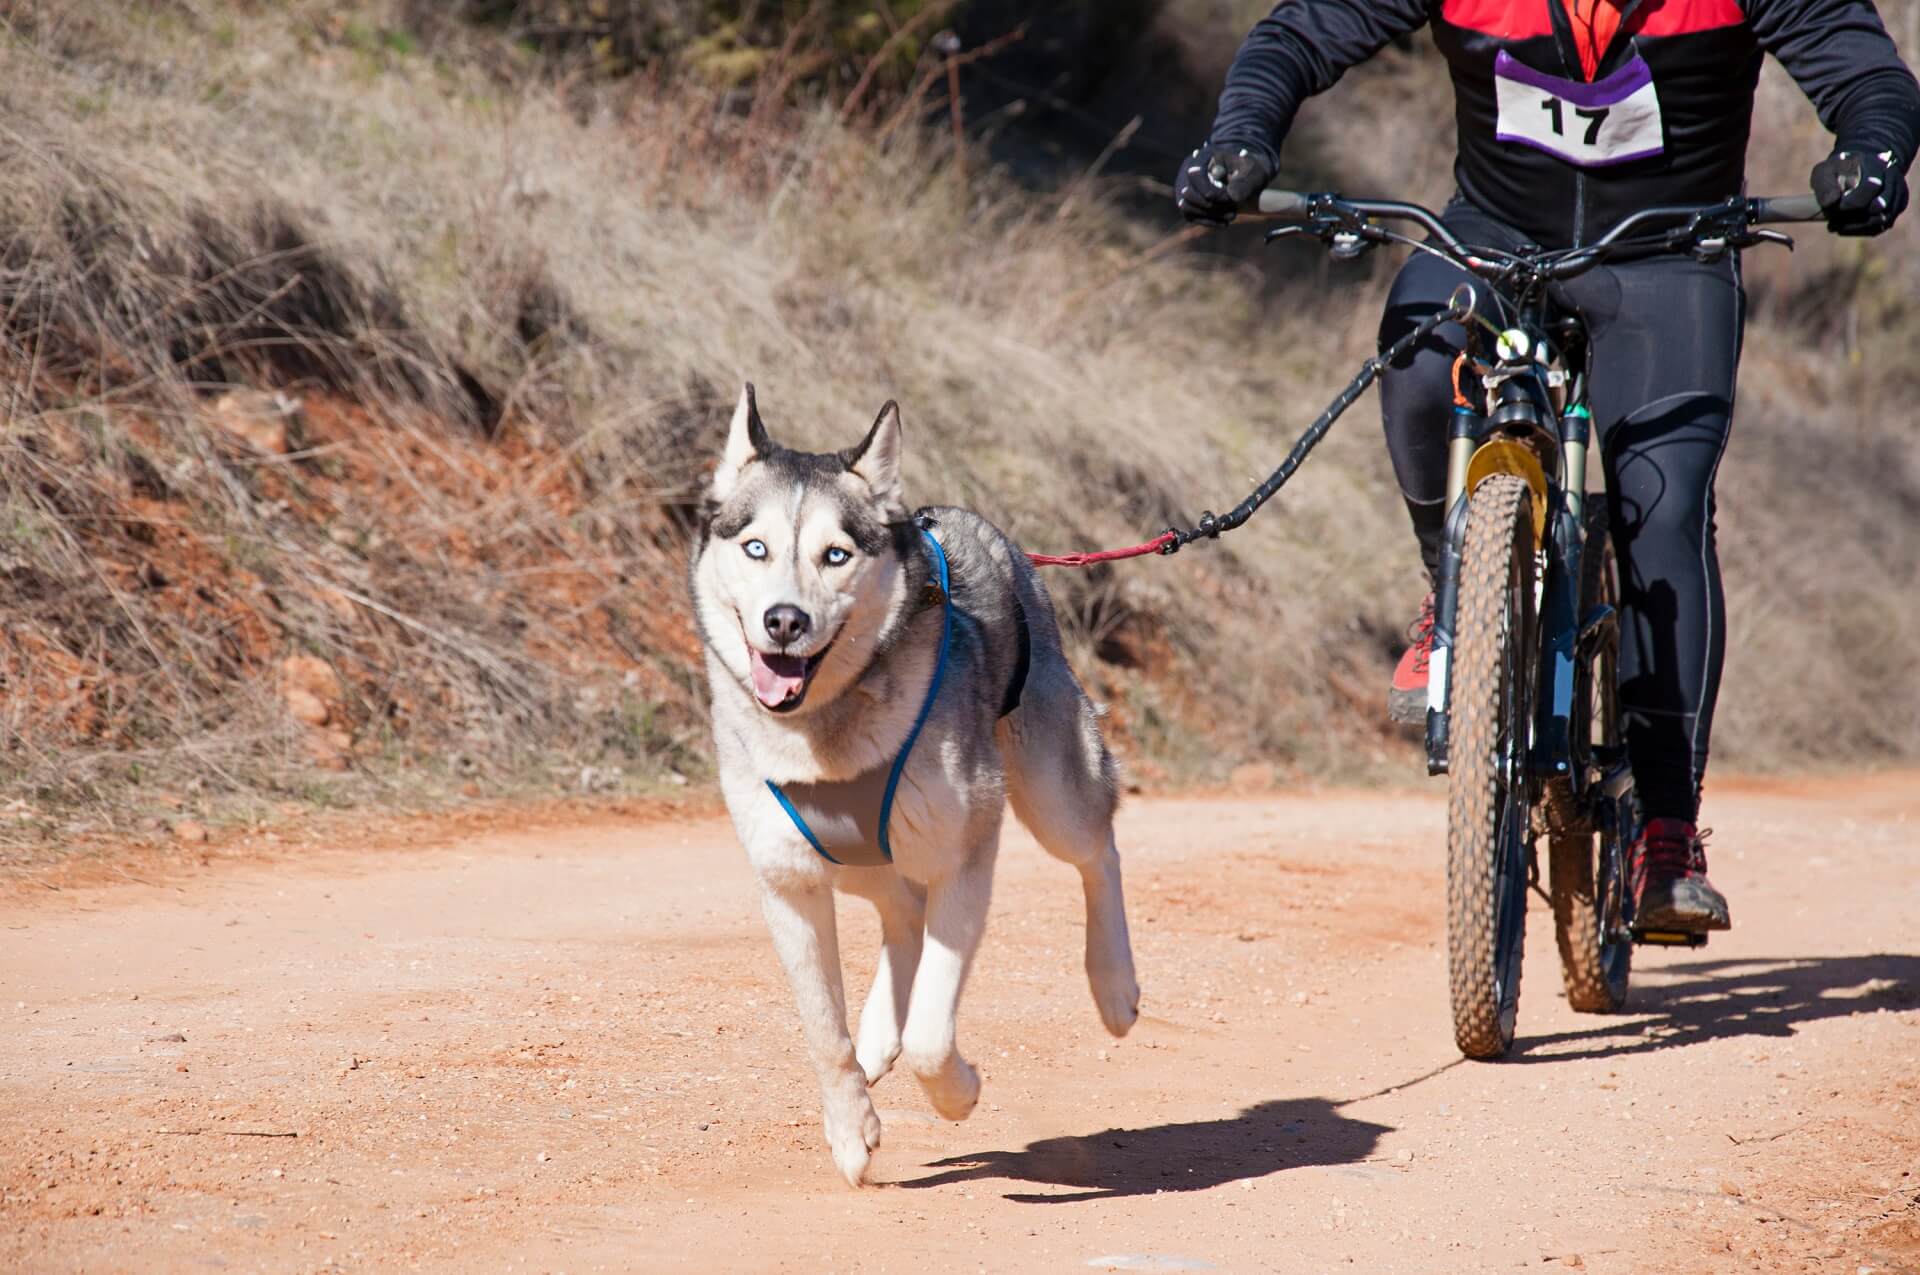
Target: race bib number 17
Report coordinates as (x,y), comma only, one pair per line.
(1610,121)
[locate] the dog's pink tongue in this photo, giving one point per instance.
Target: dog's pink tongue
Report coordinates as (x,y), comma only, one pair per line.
(776,678)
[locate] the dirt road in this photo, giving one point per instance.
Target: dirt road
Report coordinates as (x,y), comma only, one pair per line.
(575,1052)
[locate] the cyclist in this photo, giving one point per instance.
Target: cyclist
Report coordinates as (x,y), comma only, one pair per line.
(1571,115)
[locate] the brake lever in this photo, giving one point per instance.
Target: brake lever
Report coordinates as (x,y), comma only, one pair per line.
(1346,238)
(1289,231)
(1716,247)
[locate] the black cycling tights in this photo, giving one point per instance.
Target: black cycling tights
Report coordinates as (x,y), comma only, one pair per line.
(1666,345)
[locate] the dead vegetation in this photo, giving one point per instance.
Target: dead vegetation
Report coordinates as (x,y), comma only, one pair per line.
(360,386)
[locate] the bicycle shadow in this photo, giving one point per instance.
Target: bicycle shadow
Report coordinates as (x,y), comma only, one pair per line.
(1197,1155)
(1725,999)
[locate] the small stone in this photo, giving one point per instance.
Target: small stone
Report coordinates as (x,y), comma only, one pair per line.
(1403,1156)
(1731,1188)
(543,1157)
(180,1067)
(307,707)
(469,789)
(189,832)
(313,675)
(1574,1259)
(1301,998)
(173,1038)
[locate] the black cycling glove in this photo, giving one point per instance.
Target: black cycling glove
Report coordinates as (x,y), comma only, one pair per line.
(1862,192)
(1220,176)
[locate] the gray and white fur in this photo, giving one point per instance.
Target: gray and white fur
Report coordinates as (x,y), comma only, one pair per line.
(810,586)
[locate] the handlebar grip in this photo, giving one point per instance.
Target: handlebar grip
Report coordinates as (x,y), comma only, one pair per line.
(1283,203)
(1787,208)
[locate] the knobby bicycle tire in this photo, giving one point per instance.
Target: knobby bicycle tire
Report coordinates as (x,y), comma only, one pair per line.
(1488,808)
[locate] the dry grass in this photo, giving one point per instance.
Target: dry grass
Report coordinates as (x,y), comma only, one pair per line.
(513,310)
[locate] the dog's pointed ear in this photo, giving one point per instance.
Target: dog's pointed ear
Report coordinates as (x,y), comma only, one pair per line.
(877,458)
(747,441)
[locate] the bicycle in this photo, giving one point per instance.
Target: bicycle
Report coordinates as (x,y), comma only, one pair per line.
(1522,711)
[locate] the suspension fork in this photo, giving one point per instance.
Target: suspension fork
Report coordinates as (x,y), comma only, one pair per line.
(1560,619)
(1464,433)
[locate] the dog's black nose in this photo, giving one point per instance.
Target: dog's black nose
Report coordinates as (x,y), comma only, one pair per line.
(786,623)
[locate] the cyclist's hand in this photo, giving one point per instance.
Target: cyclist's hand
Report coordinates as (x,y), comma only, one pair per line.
(1861,191)
(1220,176)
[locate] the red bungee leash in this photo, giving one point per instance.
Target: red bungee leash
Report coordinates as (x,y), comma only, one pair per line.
(1163,543)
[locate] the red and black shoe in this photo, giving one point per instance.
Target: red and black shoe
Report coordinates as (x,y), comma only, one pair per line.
(1667,876)
(1407,696)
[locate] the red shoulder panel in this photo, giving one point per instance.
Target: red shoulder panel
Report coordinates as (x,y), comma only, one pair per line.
(1525,19)
(1685,17)
(1502,19)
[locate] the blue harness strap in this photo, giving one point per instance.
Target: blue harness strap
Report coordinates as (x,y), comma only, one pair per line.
(879,832)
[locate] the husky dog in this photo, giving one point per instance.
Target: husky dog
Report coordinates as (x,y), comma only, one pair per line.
(855,702)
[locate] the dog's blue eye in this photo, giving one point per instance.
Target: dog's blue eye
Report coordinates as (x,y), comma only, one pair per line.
(756,549)
(838,557)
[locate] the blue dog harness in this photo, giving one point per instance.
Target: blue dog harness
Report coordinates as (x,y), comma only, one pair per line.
(841,829)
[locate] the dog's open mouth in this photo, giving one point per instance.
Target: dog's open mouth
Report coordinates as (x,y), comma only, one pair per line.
(780,681)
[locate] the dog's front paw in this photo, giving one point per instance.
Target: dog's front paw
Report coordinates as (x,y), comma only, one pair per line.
(851,1157)
(853,1135)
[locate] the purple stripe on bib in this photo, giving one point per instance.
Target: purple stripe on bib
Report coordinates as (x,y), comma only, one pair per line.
(1616,88)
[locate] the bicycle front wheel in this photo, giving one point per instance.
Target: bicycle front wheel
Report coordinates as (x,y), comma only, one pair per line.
(1489,805)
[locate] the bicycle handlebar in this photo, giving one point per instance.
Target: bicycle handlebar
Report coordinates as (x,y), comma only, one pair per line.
(1698,221)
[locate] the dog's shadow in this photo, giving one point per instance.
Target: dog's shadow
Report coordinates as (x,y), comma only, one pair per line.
(1195,1156)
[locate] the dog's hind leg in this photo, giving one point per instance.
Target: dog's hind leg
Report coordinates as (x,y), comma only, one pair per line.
(902,906)
(956,918)
(1062,783)
(802,924)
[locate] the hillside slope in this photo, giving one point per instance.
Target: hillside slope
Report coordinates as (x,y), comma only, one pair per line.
(361,385)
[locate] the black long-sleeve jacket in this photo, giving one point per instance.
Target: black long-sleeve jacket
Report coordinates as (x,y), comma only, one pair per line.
(1665,120)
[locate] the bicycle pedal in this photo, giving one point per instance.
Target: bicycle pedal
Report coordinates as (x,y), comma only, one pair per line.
(1669,938)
